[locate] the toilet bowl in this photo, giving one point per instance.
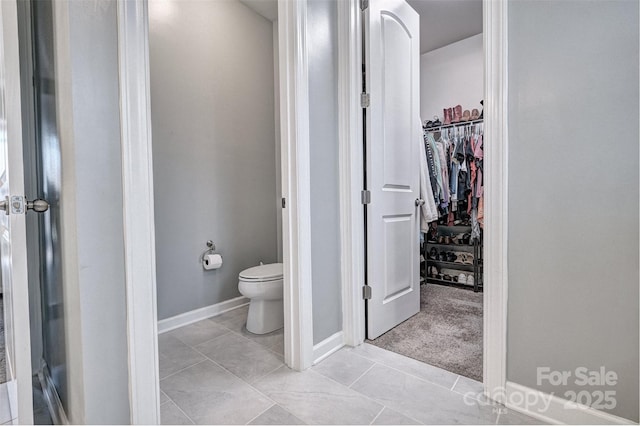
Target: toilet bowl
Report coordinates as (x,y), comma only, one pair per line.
(263,285)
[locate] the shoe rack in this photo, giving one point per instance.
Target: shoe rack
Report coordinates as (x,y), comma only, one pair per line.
(454,256)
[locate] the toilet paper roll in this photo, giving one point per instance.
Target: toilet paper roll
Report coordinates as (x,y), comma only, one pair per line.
(212,261)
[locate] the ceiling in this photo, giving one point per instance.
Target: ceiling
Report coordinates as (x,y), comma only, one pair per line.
(443,22)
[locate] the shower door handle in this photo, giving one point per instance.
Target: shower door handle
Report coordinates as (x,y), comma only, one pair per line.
(17,205)
(38,206)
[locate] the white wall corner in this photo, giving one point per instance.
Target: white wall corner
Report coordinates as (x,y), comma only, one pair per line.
(496,192)
(200,314)
(552,409)
(327,347)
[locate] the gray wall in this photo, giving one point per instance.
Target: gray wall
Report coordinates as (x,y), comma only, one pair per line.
(573,192)
(91,206)
(325,211)
(212,110)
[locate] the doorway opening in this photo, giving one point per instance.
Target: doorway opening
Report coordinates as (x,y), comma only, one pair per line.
(440,321)
(214,96)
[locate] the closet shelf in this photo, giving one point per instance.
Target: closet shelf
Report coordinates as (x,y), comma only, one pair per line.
(449,283)
(449,126)
(453,265)
(450,245)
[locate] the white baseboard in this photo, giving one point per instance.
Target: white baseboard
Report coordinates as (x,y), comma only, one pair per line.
(555,410)
(328,346)
(196,315)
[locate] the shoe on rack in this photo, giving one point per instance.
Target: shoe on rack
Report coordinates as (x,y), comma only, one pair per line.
(457,114)
(462,278)
(433,253)
(466,116)
(475,114)
(470,280)
(447,116)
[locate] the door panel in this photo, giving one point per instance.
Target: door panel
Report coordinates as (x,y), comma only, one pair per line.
(392,58)
(13,247)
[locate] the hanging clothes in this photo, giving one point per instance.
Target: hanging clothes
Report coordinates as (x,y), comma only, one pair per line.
(428,210)
(453,168)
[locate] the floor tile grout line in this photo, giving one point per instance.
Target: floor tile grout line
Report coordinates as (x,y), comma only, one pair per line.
(243,380)
(378,415)
(182,369)
(455,383)
(261,413)
(181,410)
(265,375)
(400,371)
(362,375)
(230,331)
(311,370)
(412,375)
(245,337)
(202,343)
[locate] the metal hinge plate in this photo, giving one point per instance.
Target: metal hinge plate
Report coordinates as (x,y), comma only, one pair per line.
(364,4)
(365,100)
(17,204)
(365,196)
(366,292)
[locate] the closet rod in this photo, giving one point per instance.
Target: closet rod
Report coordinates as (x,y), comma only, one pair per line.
(449,126)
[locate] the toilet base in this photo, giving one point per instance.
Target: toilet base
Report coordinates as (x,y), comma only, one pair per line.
(265,316)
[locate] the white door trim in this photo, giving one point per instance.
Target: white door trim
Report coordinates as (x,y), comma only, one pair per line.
(351,166)
(296,168)
(139,229)
(496,155)
(133,54)
(495,198)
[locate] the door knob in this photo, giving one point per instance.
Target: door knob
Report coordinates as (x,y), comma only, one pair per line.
(419,202)
(17,205)
(38,206)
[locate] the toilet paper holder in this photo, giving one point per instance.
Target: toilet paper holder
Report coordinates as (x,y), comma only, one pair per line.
(211,247)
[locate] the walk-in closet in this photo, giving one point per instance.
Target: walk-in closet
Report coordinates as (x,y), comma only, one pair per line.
(447,331)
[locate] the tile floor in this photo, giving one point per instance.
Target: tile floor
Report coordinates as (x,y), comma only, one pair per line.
(215,372)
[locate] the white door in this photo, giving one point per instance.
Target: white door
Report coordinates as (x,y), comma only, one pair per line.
(392,61)
(13,246)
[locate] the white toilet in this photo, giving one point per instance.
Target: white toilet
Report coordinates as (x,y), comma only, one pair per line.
(263,285)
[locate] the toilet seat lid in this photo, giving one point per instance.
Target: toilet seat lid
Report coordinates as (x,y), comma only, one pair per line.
(270,271)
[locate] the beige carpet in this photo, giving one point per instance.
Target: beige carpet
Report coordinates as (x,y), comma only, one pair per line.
(447,332)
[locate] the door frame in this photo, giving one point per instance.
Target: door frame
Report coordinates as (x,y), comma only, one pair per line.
(138,210)
(18,389)
(495,175)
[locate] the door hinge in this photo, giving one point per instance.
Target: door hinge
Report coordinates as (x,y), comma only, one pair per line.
(365,100)
(284,202)
(364,4)
(365,196)
(366,292)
